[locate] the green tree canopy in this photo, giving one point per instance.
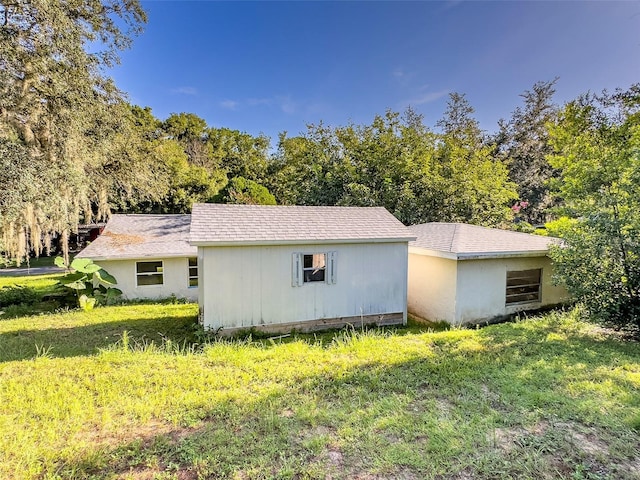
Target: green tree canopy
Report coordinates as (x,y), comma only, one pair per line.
(398,163)
(523,143)
(247,192)
(58,108)
(597,142)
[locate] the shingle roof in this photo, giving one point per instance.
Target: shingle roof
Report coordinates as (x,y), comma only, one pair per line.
(218,224)
(460,240)
(142,236)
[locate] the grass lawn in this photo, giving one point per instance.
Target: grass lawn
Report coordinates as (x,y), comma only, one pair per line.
(124,392)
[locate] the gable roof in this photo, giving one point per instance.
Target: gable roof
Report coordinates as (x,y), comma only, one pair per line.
(460,241)
(142,236)
(224,224)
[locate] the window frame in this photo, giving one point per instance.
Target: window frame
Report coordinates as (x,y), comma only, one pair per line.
(526,287)
(307,278)
(298,269)
(150,274)
(190,276)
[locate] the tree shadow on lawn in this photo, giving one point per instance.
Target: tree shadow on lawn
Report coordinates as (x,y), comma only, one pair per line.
(437,416)
(89,339)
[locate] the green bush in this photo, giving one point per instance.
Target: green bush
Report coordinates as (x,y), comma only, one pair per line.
(18,295)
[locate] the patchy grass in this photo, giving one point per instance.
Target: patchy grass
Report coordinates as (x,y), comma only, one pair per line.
(125,393)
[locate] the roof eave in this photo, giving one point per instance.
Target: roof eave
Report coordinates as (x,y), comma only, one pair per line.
(103,258)
(246,243)
(487,255)
(476,255)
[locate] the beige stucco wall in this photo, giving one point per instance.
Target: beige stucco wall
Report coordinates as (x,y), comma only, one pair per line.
(247,286)
(175,279)
(432,287)
(481,287)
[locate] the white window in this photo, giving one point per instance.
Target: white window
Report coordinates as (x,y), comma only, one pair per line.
(149,273)
(193,272)
(313,267)
(523,286)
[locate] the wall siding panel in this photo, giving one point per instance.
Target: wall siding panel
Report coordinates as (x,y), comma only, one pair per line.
(252,285)
(176,278)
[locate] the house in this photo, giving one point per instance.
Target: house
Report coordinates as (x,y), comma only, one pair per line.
(279,268)
(149,255)
(463,273)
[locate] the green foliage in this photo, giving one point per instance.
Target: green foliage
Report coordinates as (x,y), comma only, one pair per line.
(523,144)
(18,295)
(398,163)
(597,140)
(247,192)
(93,285)
(59,110)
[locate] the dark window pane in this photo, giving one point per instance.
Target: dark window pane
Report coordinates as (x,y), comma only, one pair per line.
(193,282)
(156,279)
(314,275)
(193,262)
(149,267)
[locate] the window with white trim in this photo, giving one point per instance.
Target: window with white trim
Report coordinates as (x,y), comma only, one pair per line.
(193,272)
(149,273)
(523,286)
(313,267)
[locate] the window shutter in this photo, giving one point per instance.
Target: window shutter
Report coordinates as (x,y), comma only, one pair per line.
(296,270)
(332,265)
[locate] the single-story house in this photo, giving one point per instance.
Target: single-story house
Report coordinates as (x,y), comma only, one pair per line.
(463,273)
(149,255)
(279,268)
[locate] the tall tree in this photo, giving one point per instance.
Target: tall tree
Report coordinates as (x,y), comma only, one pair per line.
(56,107)
(597,143)
(471,186)
(523,143)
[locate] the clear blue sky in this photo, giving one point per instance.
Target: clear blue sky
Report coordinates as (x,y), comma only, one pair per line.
(266,67)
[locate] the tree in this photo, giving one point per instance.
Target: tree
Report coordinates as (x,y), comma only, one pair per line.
(55,106)
(597,144)
(398,163)
(247,192)
(523,144)
(470,185)
(238,153)
(190,131)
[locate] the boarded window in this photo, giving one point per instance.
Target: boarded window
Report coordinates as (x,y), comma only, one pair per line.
(314,267)
(193,272)
(523,286)
(149,273)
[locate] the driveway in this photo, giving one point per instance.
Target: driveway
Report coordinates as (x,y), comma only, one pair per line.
(23,272)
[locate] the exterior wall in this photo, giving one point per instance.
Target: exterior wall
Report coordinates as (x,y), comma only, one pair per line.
(251,286)
(481,287)
(432,287)
(176,278)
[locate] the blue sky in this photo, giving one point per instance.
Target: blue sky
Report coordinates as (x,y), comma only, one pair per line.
(267,67)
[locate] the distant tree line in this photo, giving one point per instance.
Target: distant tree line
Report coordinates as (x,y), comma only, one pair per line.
(72,151)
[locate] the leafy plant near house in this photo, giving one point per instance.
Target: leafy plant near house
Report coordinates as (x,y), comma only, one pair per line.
(92,284)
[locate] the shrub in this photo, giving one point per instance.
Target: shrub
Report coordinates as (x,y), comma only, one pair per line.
(18,295)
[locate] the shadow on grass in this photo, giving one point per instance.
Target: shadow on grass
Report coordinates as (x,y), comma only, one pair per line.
(430,416)
(23,344)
